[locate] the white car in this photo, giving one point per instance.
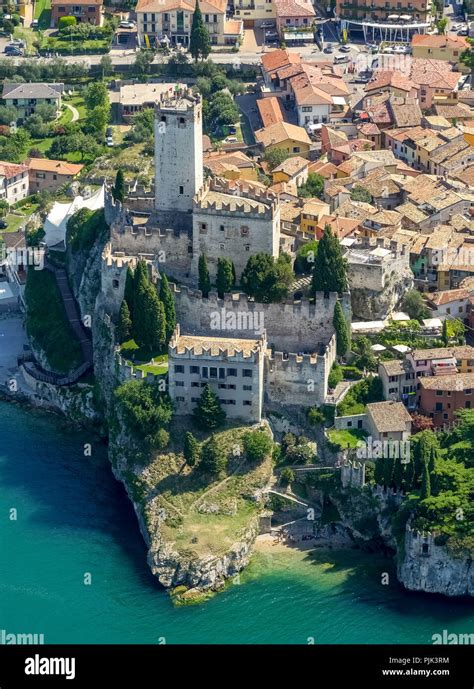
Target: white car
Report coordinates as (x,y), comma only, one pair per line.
(267,25)
(109,141)
(126,25)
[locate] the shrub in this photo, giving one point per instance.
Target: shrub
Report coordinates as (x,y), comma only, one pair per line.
(64,22)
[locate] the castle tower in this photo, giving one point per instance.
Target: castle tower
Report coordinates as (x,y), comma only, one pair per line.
(178,155)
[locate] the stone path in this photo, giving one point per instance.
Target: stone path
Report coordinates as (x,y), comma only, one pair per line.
(75,112)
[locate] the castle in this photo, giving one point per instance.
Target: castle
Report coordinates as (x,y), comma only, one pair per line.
(293,342)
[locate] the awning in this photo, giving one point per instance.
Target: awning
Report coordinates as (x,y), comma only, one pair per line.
(298,36)
(393,17)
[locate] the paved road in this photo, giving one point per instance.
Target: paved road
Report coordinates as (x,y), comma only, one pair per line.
(12,340)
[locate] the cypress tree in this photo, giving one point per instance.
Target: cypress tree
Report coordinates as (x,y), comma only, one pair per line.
(208,412)
(214,458)
(153,335)
(129,290)
(234,276)
(140,284)
(388,468)
(343,337)
(167,299)
(398,473)
(444,334)
(378,472)
(409,476)
(124,327)
(118,191)
(330,270)
(425,482)
(199,42)
(204,279)
(225,279)
(191,450)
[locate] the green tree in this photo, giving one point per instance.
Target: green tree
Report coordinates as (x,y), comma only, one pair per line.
(150,320)
(204,281)
(225,276)
(313,187)
(275,157)
(467,58)
(143,60)
(425,482)
(359,193)
(140,282)
(191,451)
(379,472)
(124,326)
(167,299)
(106,66)
(388,469)
(257,445)
(64,22)
(287,475)
(129,290)
(199,42)
(208,412)
(146,410)
(305,258)
(441,25)
(330,268)
(444,335)
(343,336)
(266,279)
(214,457)
(414,304)
(118,190)
(96,95)
(398,473)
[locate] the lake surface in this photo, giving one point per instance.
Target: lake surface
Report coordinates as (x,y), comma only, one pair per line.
(74,524)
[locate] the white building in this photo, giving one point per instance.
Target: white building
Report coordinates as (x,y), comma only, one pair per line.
(233,368)
(14,182)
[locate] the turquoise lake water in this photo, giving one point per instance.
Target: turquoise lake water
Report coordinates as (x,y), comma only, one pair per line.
(74,520)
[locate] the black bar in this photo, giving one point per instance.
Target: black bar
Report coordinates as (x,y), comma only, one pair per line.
(160,665)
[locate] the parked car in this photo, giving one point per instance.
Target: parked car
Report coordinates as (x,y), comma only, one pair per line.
(344,49)
(34,24)
(271,36)
(109,141)
(13,51)
(126,24)
(338,59)
(267,25)
(462,32)
(328,49)
(109,132)
(362,77)
(3,224)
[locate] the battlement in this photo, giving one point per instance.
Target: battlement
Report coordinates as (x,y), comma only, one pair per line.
(371,243)
(212,197)
(126,371)
(241,299)
(353,474)
(151,232)
(181,100)
(419,543)
(218,348)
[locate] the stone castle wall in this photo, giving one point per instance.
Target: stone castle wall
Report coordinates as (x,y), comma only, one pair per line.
(301,379)
(290,326)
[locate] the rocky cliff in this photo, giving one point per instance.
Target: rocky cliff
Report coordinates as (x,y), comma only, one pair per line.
(371,305)
(425,566)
